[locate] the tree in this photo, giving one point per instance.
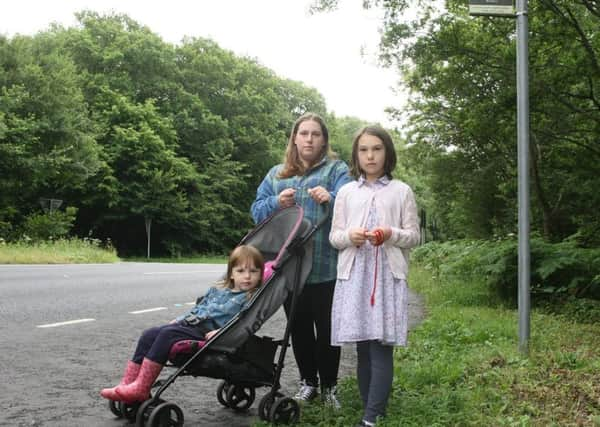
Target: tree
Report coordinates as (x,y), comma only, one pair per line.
(46,137)
(461,73)
(131,130)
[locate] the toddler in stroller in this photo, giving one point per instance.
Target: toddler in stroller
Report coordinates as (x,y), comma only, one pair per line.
(215,309)
(229,350)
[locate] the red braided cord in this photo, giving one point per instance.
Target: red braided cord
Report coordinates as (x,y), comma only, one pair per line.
(378,236)
(375,278)
(378,242)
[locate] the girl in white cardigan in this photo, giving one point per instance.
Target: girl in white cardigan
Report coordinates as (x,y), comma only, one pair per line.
(375,223)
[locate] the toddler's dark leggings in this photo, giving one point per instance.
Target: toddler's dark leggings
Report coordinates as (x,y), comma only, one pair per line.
(155,343)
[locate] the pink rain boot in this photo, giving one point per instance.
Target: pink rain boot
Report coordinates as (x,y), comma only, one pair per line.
(131,372)
(139,390)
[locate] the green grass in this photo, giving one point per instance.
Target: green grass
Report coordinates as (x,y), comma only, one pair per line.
(463,368)
(82,251)
(63,251)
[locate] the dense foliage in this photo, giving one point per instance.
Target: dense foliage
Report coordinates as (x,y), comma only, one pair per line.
(130,130)
(560,272)
(461,72)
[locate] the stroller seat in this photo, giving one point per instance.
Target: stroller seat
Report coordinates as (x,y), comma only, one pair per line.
(251,363)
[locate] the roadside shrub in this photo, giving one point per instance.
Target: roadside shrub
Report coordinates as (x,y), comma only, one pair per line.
(49,225)
(5,230)
(557,269)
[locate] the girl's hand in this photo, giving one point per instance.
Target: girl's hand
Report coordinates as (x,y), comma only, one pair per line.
(379,235)
(358,236)
(173,321)
(319,194)
(286,198)
(210,334)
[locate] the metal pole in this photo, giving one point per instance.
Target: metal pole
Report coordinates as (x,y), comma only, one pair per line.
(523,173)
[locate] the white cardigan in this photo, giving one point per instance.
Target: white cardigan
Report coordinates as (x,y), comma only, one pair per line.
(396,208)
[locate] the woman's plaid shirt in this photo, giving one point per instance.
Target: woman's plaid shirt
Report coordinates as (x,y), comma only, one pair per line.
(330,174)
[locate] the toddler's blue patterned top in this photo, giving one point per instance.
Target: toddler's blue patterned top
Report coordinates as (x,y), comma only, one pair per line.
(219,304)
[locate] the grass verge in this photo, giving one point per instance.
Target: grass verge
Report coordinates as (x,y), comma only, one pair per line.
(64,251)
(463,368)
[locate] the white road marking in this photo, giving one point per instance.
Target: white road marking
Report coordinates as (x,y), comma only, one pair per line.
(69,322)
(72,322)
(148,310)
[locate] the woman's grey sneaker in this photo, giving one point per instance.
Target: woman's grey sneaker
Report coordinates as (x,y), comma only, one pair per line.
(329,398)
(306,392)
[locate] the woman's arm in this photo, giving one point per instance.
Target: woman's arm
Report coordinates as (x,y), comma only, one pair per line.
(341,178)
(339,236)
(266,200)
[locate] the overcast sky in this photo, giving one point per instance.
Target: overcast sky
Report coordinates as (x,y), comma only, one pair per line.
(322,51)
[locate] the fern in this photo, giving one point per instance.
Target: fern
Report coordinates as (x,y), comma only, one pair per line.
(556,268)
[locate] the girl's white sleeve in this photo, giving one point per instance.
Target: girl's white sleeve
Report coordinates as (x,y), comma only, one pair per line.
(408,234)
(339,237)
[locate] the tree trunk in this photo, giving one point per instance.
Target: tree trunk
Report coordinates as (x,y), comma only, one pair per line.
(541,196)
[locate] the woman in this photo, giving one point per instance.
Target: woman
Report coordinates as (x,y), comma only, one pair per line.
(310,177)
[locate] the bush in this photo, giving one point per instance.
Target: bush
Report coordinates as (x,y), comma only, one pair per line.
(49,225)
(5,230)
(556,268)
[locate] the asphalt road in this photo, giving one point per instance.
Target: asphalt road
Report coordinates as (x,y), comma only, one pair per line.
(66,332)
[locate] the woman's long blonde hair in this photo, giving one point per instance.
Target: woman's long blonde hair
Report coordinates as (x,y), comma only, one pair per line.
(292,165)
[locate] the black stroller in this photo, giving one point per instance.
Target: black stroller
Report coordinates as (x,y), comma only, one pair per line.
(243,360)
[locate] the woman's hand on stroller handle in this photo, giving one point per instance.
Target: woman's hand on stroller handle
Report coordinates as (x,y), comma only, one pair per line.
(319,194)
(286,198)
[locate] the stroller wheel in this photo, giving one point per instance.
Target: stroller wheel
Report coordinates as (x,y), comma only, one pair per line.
(222,393)
(144,411)
(166,415)
(285,411)
(264,406)
(128,410)
(114,408)
(239,397)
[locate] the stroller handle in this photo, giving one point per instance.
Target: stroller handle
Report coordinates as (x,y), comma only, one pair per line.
(326,209)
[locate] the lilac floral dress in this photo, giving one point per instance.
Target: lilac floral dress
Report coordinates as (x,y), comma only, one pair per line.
(353,317)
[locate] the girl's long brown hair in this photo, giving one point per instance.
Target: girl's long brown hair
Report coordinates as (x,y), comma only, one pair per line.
(244,253)
(292,165)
